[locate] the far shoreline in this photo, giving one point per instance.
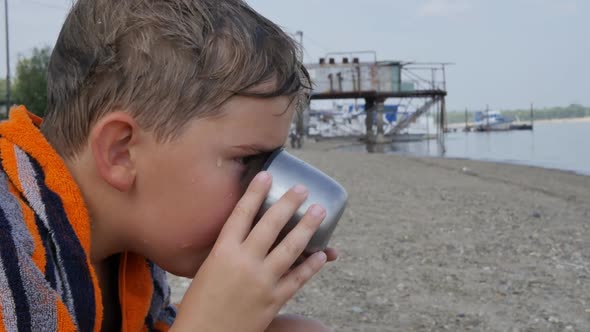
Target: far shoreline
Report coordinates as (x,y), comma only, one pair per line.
(560,120)
(564,120)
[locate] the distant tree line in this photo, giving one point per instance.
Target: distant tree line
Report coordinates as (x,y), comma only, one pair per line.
(29,86)
(571,111)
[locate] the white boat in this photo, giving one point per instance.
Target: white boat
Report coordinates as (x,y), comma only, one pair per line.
(491,121)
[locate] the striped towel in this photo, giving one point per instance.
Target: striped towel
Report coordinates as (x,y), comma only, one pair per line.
(47,282)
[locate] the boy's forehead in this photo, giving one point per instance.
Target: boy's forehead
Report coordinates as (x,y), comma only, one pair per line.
(259,122)
(264,126)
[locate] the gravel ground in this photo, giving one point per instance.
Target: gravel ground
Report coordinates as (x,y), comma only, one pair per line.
(451,245)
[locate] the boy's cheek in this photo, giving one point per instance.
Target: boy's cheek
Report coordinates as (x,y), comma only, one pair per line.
(205,217)
(204,232)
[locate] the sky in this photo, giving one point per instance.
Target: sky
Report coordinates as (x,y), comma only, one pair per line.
(505,53)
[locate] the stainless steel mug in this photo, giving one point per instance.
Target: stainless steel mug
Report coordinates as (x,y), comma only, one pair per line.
(288,171)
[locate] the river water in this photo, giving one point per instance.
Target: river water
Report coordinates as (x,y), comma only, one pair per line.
(556,145)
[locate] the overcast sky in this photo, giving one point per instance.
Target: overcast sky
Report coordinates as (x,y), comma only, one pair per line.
(507,53)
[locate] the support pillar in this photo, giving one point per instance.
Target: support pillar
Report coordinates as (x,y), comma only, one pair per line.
(370,119)
(380,112)
(443,116)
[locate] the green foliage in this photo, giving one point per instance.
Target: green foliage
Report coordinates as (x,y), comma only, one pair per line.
(30,86)
(3,98)
(2,91)
(571,111)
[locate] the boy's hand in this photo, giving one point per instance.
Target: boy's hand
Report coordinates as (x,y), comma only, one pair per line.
(242,286)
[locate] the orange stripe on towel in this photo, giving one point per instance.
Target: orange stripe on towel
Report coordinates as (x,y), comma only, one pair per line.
(64,319)
(161,326)
(2,328)
(135,291)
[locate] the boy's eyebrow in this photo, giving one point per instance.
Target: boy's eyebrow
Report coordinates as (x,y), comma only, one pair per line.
(257,148)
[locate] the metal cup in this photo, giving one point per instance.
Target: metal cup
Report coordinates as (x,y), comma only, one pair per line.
(288,171)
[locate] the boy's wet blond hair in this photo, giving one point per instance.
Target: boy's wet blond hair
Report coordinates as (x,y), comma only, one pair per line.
(164,61)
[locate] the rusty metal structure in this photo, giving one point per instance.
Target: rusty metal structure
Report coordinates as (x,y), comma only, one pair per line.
(419,86)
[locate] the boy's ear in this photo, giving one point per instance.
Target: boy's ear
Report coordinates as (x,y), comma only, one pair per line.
(112,140)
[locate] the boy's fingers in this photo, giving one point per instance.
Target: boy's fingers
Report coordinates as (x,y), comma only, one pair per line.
(265,233)
(239,223)
(286,253)
(295,279)
(332,254)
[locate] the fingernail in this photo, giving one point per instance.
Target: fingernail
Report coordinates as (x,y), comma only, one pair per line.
(300,189)
(321,257)
(317,211)
(263,177)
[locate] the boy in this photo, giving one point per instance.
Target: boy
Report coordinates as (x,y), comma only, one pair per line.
(154,109)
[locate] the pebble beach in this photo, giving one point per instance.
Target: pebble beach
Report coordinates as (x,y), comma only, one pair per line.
(430,244)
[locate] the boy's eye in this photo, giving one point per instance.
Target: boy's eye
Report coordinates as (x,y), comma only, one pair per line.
(252,162)
(245,160)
